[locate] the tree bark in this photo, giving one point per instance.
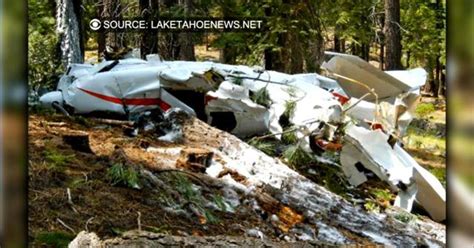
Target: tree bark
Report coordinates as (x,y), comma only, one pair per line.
(315,44)
(442,85)
(337,43)
(365,51)
(267,53)
(393,35)
(343,45)
(186,38)
(408,59)
(295,53)
(440,25)
(382,56)
(169,44)
(68,27)
(112,10)
(431,85)
(437,76)
(273,59)
(149,39)
(82,31)
(227,53)
(354,49)
(101,34)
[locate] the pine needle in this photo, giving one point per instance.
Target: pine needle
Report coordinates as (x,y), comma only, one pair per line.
(264,146)
(290,107)
(262,97)
(289,137)
(237,80)
(296,157)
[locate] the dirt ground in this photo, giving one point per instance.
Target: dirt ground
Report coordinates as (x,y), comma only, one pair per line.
(98,206)
(426,139)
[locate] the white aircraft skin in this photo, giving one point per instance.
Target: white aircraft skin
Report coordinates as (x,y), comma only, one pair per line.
(134,85)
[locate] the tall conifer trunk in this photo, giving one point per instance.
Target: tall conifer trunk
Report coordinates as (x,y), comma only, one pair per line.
(393,35)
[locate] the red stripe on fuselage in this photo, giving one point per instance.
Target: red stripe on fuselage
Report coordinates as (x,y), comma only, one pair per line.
(130,101)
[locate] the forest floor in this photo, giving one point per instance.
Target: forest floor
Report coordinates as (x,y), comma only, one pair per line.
(426,136)
(96,204)
(71,191)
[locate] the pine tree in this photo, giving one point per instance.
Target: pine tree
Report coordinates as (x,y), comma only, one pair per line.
(69,29)
(186,38)
(149,39)
(393,44)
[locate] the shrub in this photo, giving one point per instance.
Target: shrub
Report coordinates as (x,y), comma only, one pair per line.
(424,109)
(44,67)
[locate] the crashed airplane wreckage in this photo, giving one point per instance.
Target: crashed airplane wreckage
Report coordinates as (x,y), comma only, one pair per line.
(373,107)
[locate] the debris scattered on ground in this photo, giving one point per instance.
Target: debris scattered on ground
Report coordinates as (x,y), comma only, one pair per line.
(194,159)
(345,133)
(225,198)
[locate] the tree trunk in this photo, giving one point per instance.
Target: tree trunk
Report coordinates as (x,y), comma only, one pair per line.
(437,76)
(431,85)
(295,53)
(112,10)
(82,31)
(442,86)
(68,27)
(268,54)
(393,35)
(227,53)
(365,51)
(354,49)
(408,59)
(101,34)
(149,39)
(343,45)
(186,38)
(382,56)
(282,56)
(337,44)
(169,42)
(440,25)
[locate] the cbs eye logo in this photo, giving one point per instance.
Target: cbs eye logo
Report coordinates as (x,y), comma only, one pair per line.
(95,24)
